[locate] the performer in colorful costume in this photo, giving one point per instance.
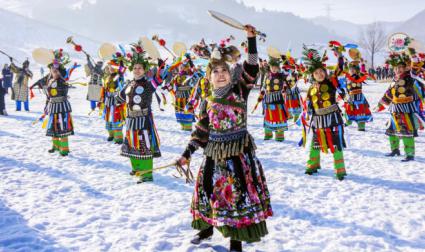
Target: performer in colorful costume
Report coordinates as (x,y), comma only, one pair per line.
(357,109)
(273,96)
(181,87)
(114,112)
(59,121)
(141,142)
(231,192)
(293,99)
(403,99)
(326,122)
(202,88)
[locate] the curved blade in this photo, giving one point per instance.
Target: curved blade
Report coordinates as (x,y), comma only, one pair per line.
(226,19)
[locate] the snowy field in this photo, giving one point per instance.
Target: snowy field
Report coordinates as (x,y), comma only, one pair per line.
(88,202)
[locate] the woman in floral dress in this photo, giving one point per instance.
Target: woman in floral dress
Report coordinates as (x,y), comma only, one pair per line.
(231,192)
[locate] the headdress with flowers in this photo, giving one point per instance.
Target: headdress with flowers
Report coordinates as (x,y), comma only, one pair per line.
(400,53)
(396,59)
(274,61)
(312,60)
(138,56)
(60,61)
(201,50)
(119,61)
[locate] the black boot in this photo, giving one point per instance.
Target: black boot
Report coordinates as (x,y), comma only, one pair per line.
(52,150)
(132,173)
(340,177)
(393,153)
(202,235)
(311,171)
(408,158)
(235,246)
(109,139)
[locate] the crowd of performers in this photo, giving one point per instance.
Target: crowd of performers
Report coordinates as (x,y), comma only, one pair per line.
(231,190)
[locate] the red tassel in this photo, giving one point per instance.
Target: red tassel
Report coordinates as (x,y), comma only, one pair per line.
(319,139)
(31,94)
(403,117)
(329,138)
(334,82)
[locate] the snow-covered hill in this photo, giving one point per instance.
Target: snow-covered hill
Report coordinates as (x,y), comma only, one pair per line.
(88,202)
(21,35)
(184,20)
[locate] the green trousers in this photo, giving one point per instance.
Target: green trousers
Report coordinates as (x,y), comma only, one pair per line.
(117,135)
(279,135)
(61,144)
(409,144)
(296,117)
(186,126)
(143,166)
(360,125)
(313,163)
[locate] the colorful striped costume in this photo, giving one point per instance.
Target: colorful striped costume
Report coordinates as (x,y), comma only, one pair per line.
(403,98)
(181,89)
(59,121)
(113,113)
(275,112)
(293,99)
(357,108)
(141,142)
(327,126)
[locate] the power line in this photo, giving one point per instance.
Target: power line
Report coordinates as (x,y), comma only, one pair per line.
(328,9)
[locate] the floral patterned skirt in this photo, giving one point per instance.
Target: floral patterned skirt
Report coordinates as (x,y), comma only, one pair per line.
(232,196)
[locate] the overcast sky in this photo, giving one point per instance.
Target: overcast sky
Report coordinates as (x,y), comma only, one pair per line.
(357,11)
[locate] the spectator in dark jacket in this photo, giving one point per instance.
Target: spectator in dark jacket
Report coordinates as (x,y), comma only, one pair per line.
(7,77)
(379,73)
(2,94)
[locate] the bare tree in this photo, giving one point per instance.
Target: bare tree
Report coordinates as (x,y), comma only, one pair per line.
(372,39)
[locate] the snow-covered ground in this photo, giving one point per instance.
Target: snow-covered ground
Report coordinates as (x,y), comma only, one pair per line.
(88,202)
